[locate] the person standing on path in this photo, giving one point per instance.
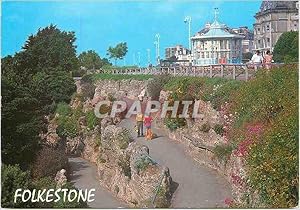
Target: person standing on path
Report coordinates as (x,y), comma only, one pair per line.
(257,60)
(139,123)
(268,60)
(147,123)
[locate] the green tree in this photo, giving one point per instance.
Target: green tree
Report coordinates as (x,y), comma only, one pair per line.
(90,60)
(12,178)
(118,52)
(286,48)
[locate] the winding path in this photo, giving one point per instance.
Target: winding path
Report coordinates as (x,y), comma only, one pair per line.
(84,176)
(198,186)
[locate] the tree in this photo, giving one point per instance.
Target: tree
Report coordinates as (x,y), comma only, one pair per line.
(118,52)
(33,80)
(12,178)
(286,48)
(90,60)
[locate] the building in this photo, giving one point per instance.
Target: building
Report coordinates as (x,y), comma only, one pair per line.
(248,41)
(216,44)
(273,19)
(177,54)
(177,51)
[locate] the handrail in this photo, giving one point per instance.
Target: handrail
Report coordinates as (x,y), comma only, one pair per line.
(158,186)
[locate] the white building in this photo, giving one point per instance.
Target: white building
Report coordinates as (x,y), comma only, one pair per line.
(216,44)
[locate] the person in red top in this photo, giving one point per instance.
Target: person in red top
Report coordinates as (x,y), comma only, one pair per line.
(147,123)
(268,60)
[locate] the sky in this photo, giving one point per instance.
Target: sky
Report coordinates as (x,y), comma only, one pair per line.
(100,24)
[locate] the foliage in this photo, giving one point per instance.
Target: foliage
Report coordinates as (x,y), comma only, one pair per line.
(124,163)
(12,178)
(20,125)
(91,60)
(205,127)
(223,152)
(156,85)
(48,162)
(56,86)
(174,123)
(266,134)
(286,48)
(218,128)
(143,162)
(63,109)
(33,81)
(67,204)
(96,77)
(91,119)
(118,52)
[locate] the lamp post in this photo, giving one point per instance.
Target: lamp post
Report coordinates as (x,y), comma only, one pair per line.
(188,20)
(148,56)
(157,36)
(133,56)
(139,59)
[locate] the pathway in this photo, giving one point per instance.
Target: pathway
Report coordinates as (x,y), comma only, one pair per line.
(84,176)
(198,186)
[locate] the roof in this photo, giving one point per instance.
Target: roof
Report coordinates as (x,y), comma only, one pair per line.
(217,30)
(268,6)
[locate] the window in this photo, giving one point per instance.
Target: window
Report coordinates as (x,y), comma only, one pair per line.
(268,40)
(267,27)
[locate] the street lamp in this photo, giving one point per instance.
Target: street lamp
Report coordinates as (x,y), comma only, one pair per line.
(139,59)
(133,56)
(157,36)
(188,20)
(149,58)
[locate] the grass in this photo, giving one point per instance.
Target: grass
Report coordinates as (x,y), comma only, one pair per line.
(116,77)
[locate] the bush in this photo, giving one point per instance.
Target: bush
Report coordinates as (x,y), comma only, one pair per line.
(174,123)
(286,48)
(223,152)
(63,109)
(12,178)
(48,162)
(218,128)
(156,85)
(91,119)
(205,127)
(124,163)
(266,130)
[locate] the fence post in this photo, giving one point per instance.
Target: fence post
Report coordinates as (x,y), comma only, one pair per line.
(210,71)
(233,73)
(202,71)
(246,74)
(222,70)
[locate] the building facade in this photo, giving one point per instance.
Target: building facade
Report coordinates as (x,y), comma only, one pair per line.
(273,19)
(216,44)
(248,41)
(177,54)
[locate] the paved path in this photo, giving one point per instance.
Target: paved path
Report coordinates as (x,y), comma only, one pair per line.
(84,176)
(198,186)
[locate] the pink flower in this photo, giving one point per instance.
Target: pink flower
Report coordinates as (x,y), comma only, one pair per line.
(228,201)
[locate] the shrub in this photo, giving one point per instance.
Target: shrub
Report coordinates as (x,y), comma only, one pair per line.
(63,109)
(124,163)
(205,127)
(156,85)
(218,128)
(223,152)
(48,162)
(286,48)
(91,119)
(12,178)
(142,163)
(174,123)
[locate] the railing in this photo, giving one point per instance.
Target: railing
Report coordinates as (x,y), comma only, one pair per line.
(231,71)
(158,187)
